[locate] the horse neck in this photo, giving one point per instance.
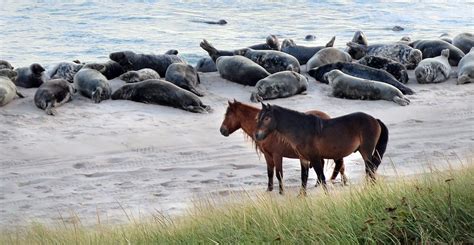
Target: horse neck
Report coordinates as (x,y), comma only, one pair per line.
(296,126)
(248,122)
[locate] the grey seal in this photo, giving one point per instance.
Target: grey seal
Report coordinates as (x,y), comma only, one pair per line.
(397,70)
(402,53)
(206,65)
(5,65)
(346,86)
(327,56)
(433,48)
(91,83)
(359,38)
(466,68)
(64,70)
(446,37)
(140,75)
(8,89)
(302,53)
(30,77)
(132,61)
(310,37)
(240,69)
(52,94)
(279,85)
(271,60)
(184,76)
(464,41)
(271,43)
(161,92)
(360,71)
(211,22)
(434,70)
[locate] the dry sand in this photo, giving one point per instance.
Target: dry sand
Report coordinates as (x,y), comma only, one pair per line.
(101,158)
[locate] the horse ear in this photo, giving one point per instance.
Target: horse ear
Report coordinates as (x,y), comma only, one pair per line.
(230,103)
(235,101)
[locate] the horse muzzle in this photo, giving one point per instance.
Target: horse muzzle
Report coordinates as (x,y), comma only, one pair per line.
(224,131)
(260,135)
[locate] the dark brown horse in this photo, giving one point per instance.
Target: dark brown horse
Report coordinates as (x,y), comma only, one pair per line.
(314,138)
(239,115)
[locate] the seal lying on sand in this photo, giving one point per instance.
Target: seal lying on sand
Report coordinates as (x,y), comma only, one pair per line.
(302,53)
(271,43)
(206,65)
(466,68)
(446,37)
(64,70)
(359,38)
(279,85)
(161,92)
(140,75)
(402,53)
(5,65)
(30,77)
(53,93)
(8,89)
(273,61)
(433,48)
(183,76)
(464,41)
(132,61)
(397,70)
(434,70)
(91,83)
(240,70)
(328,56)
(346,86)
(360,71)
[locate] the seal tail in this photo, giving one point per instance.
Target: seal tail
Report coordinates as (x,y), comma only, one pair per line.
(196,92)
(210,49)
(381,144)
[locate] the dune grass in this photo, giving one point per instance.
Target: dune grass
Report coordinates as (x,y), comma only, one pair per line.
(433,208)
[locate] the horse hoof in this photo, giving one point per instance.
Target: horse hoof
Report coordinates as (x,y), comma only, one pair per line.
(269,189)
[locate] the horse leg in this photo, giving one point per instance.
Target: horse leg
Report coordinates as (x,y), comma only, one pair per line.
(304,176)
(320,172)
(322,165)
(370,166)
(277,160)
(339,168)
(270,166)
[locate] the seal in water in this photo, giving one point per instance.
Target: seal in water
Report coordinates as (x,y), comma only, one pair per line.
(140,75)
(132,61)
(302,53)
(397,70)
(210,22)
(402,53)
(91,83)
(464,41)
(346,86)
(310,37)
(183,76)
(64,70)
(360,71)
(8,89)
(30,77)
(327,56)
(53,93)
(271,60)
(206,65)
(279,85)
(466,68)
(434,70)
(240,69)
(161,92)
(433,48)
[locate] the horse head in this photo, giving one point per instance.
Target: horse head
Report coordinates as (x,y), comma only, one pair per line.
(266,122)
(231,121)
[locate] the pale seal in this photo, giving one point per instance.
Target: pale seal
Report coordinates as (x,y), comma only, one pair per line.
(91,83)
(327,56)
(434,70)
(466,68)
(184,76)
(53,93)
(8,89)
(302,53)
(279,85)
(140,75)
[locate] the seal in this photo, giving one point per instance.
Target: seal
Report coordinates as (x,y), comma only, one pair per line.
(30,77)
(310,37)
(206,65)
(446,37)
(64,70)
(271,60)
(464,41)
(402,53)
(5,65)
(466,68)
(140,75)
(432,48)
(434,70)
(184,76)
(112,69)
(132,61)
(302,53)
(327,56)
(279,85)
(91,83)
(397,70)
(161,92)
(271,43)
(210,22)
(346,86)
(359,38)
(8,89)
(240,69)
(360,71)
(172,52)
(52,94)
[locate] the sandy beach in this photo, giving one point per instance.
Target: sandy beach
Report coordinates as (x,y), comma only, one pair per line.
(101,159)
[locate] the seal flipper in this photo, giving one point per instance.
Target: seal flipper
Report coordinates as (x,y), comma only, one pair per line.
(331,42)
(211,50)
(20,94)
(196,92)
(96,95)
(401,101)
(50,110)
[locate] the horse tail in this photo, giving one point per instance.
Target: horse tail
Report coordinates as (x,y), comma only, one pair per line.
(381,143)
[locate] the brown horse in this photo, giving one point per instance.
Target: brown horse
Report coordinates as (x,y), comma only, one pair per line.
(314,138)
(239,115)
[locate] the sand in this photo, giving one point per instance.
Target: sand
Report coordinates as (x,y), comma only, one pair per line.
(101,159)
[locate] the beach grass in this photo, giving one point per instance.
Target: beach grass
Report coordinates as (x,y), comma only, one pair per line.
(429,208)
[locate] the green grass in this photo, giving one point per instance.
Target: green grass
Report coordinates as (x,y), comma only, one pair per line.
(433,208)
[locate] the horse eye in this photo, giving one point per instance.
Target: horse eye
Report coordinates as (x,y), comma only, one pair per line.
(266,119)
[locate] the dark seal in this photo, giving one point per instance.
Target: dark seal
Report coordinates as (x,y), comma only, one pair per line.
(53,93)
(240,70)
(30,77)
(91,83)
(397,70)
(132,61)
(206,65)
(433,48)
(464,41)
(184,76)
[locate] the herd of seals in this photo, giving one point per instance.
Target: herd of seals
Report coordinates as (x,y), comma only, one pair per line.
(360,71)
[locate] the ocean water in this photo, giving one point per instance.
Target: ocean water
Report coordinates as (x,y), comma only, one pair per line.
(47,32)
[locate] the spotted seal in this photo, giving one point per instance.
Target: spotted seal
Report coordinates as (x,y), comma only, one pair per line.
(303,53)
(402,53)
(91,83)
(64,70)
(434,70)
(52,94)
(184,76)
(140,75)
(279,85)
(397,70)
